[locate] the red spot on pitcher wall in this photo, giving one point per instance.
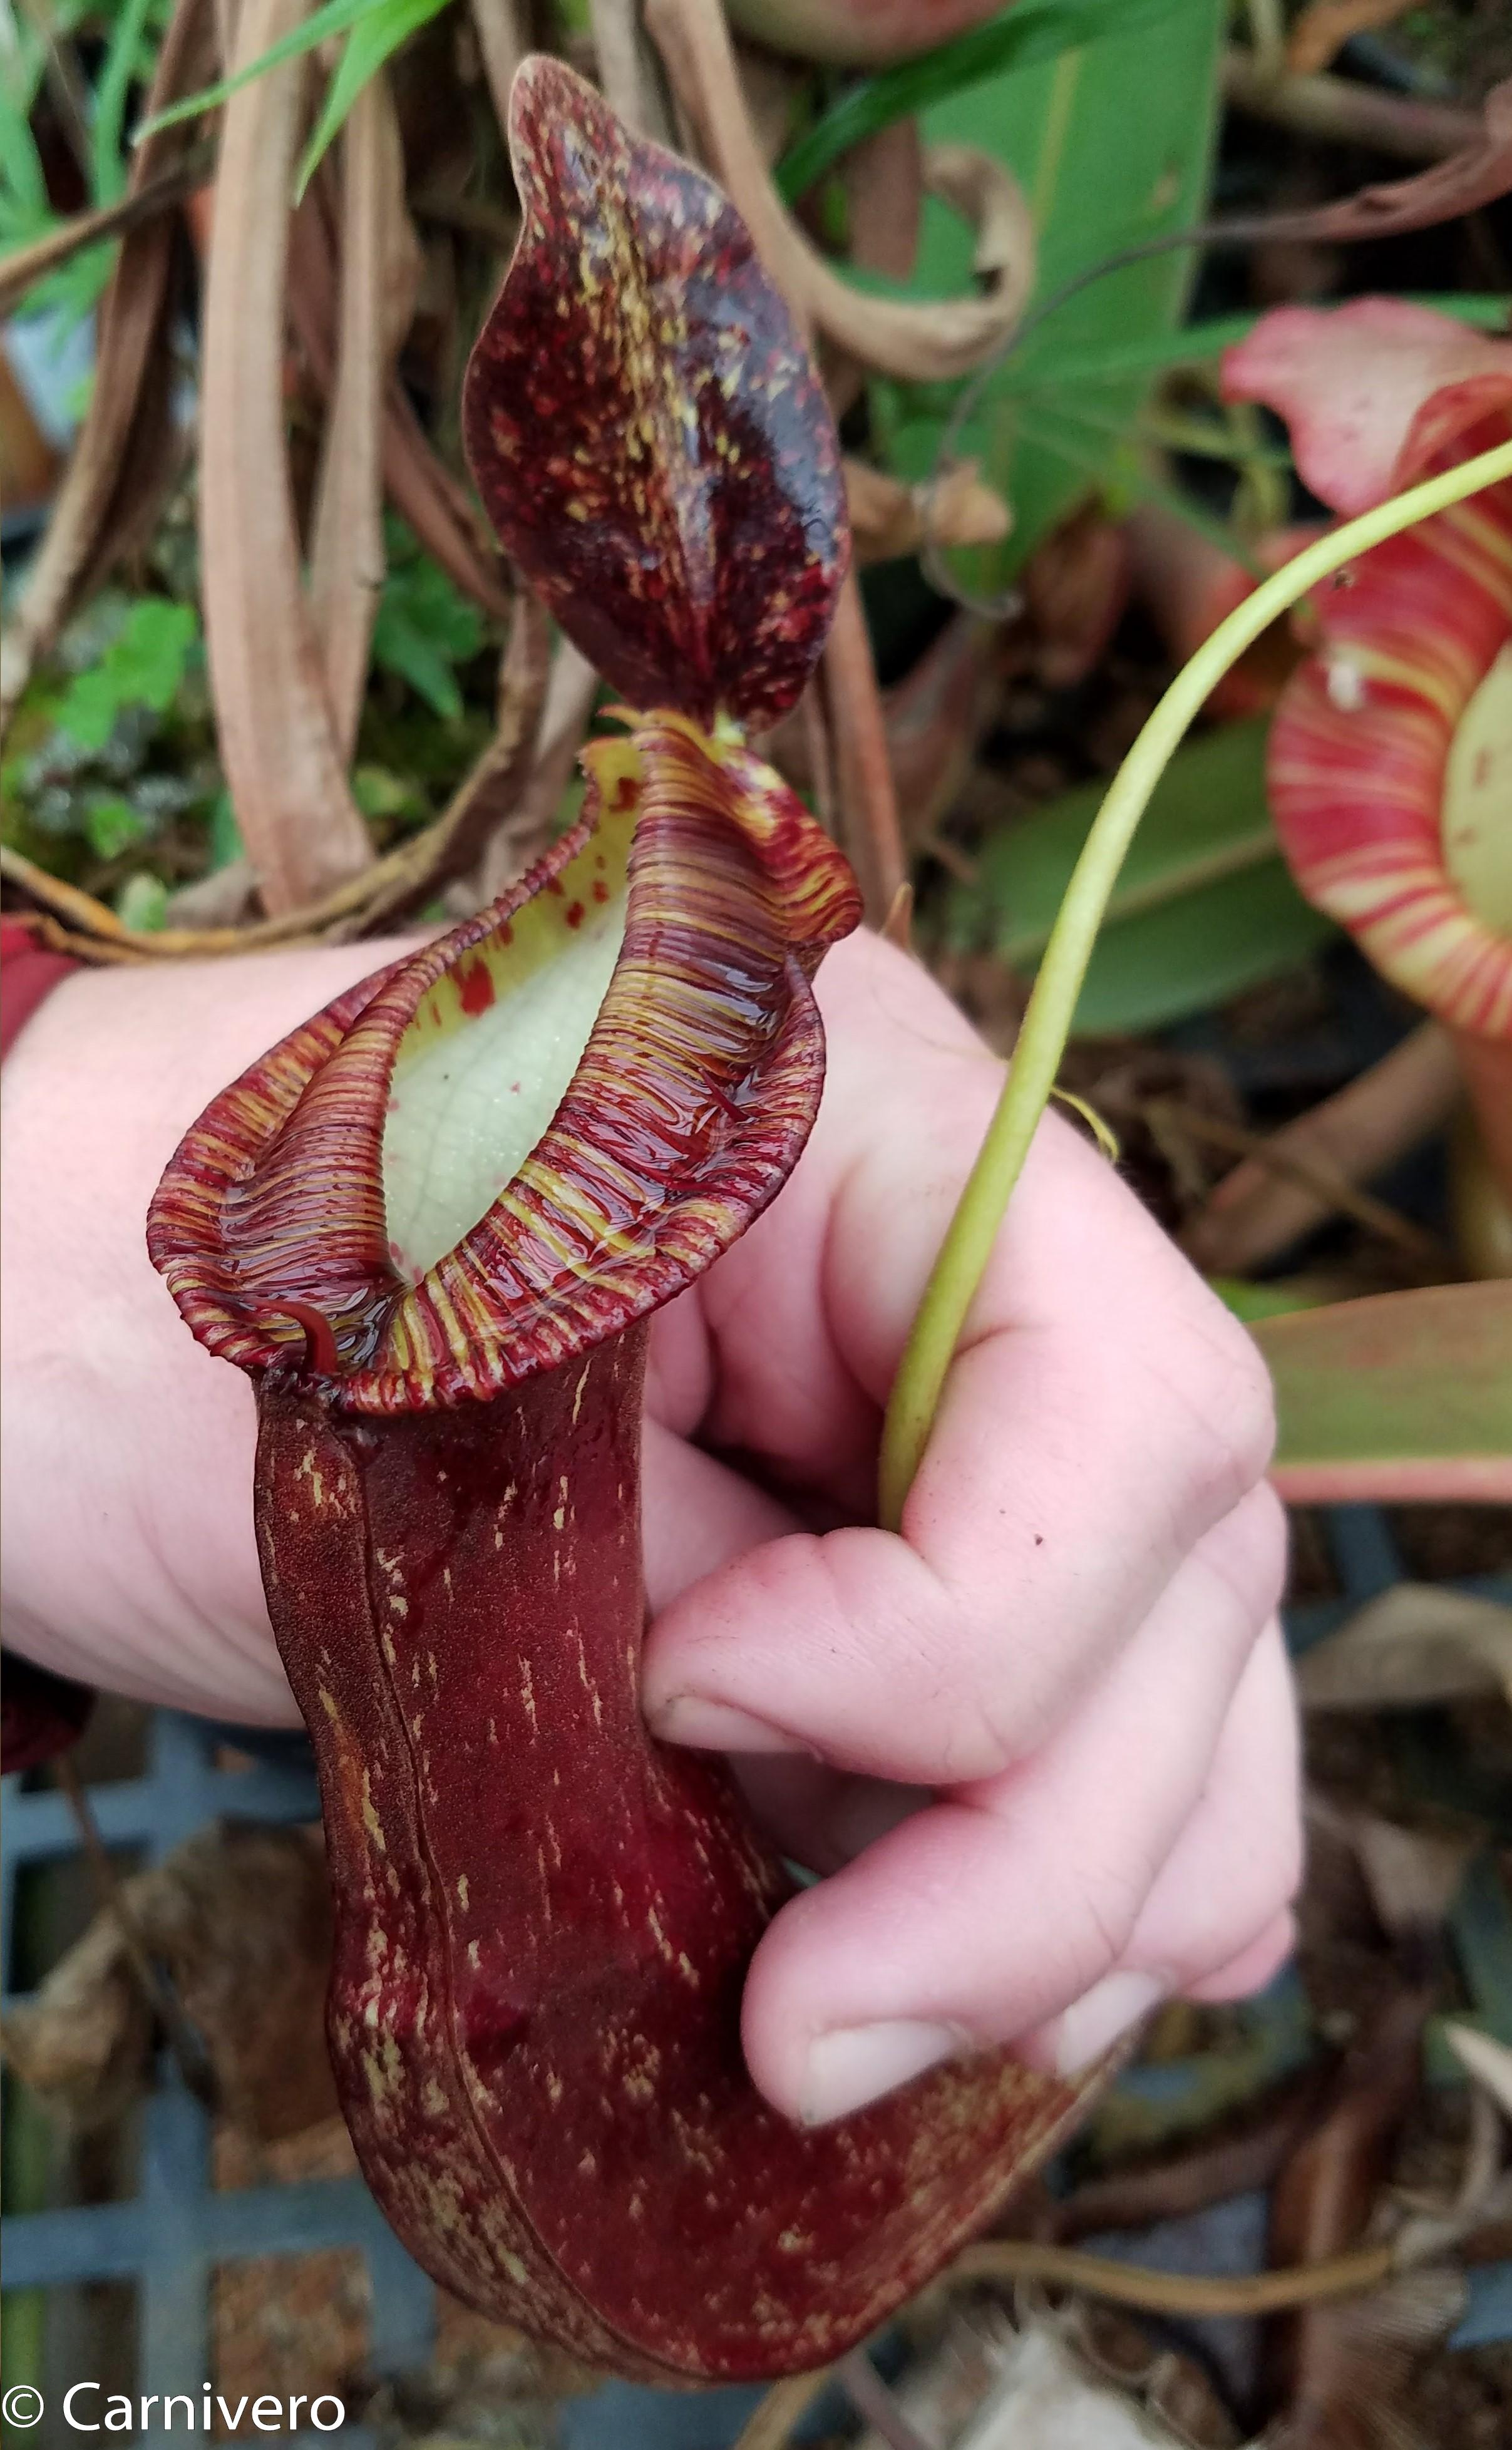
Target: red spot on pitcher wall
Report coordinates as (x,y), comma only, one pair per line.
(475,987)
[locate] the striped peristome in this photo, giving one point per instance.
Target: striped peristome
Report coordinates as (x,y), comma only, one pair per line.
(1389,766)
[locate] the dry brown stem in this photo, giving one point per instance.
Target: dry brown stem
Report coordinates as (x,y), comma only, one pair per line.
(418,484)
(565,710)
(280,750)
(1172,1117)
(503,42)
(346,548)
(1175,2292)
(1323,2204)
(781,2410)
(863,777)
(26,264)
(874,2403)
(916,343)
(1342,112)
(1487,1064)
(1258,1210)
(109,494)
(627,71)
(935,717)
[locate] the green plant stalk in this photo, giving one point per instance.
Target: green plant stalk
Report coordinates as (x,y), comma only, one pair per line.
(979,1212)
(108,169)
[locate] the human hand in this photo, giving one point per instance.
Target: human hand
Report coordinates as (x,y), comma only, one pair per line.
(1044,1742)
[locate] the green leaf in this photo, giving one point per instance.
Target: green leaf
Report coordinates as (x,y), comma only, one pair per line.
(336,17)
(142,901)
(425,626)
(1249,1302)
(1398,1398)
(120,63)
(1112,144)
(387,25)
(143,666)
(1073,370)
(113,824)
(1034,31)
(1203,908)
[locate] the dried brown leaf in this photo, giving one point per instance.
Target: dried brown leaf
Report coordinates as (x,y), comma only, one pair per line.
(347,549)
(936,718)
(1353,2396)
(434,503)
(1462,183)
(280,750)
(1417,1643)
(1258,1211)
(239,1918)
(889,518)
(1413,1875)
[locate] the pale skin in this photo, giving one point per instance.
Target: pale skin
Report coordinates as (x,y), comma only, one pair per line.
(1044,1744)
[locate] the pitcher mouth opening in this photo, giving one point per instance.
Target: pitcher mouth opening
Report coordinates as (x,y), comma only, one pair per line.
(498,1151)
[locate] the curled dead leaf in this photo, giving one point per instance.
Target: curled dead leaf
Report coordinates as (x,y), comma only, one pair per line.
(1415,1644)
(889,518)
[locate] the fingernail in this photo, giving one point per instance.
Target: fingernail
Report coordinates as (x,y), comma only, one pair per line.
(1096,2022)
(715,1726)
(860,2063)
